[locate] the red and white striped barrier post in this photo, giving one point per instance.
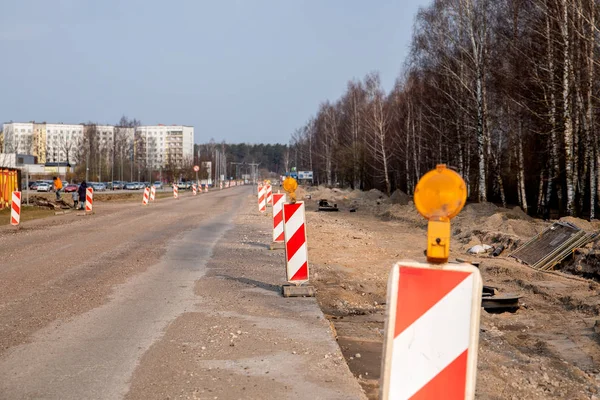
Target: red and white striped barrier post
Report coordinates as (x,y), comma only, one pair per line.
(194,190)
(15,208)
(262,199)
(227,184)
(296,251)
(432,332)
(89,199)
(269,195)
(146,197)
(278,236)
(175,192)
(206,188)
(221,185)
(152,193)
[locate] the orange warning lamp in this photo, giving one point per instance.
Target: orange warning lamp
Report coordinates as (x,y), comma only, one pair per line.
(439,197)
(290,185)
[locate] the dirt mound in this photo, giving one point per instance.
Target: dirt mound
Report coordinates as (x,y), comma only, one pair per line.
(586,264)
(49,203)
(399,197)
(580,223)
(375,195)
(486,223)
(404,213)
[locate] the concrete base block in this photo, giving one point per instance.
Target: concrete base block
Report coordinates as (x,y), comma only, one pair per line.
(85,213)
(298,291)
(277,246)
(62,212)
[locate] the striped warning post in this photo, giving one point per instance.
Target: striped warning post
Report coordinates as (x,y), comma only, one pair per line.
(221,185)
(432,332)
(146,197)
(15,210)
(206,188)
(89,199)
(296,252)
(278,201)
(262,199)
(269,195)
(227,184)
(194,190)
(152,193)
(175,192)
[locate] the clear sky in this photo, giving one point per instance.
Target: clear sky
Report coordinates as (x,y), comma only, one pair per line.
(239,71)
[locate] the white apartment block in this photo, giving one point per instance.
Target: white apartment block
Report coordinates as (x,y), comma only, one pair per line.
(18,137)
(163,144)
(63,142)
(156,146)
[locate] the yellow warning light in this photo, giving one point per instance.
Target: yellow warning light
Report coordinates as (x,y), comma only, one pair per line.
(439,197)
(290,185)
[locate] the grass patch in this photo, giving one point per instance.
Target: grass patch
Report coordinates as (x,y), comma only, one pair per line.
(27,214)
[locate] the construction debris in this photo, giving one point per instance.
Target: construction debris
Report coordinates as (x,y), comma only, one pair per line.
(50,204)
(479,249)
(324,205)
(500,302)
(552,246)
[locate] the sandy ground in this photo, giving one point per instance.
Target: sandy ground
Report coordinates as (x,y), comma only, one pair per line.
(547,349)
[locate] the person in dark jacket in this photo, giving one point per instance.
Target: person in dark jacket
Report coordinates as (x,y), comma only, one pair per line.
(81,191)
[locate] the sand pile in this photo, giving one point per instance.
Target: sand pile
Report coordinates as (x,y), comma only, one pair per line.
(486,223)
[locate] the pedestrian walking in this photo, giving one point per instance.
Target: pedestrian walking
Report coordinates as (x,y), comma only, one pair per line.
(75,196)
(81,192)
(57,186)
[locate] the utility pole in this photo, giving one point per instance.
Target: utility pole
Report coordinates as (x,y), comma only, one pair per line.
(254,168)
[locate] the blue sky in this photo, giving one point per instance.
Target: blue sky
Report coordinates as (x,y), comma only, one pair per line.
(239,71)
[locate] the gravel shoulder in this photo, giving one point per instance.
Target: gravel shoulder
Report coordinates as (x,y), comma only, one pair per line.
(243,339)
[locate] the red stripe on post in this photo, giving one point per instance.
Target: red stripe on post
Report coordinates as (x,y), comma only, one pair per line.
(295,242)
(278,218)
(290,209)
(301,274)
(420,289)
(450,383)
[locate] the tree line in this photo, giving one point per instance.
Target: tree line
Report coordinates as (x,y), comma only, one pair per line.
(503,91)
(238,157)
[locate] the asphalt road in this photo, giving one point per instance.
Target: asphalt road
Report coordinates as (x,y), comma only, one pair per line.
(176,299)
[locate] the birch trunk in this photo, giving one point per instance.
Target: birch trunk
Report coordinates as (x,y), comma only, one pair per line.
(521,171)
(591,138)
(567,118)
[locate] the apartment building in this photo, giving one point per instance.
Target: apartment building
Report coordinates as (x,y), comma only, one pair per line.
(155,146)
(164,144)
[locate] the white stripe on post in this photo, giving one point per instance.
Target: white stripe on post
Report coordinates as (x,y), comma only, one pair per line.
(89,199)
(15,208)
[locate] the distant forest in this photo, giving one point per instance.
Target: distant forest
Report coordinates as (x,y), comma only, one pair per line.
(273,158)
(505,92)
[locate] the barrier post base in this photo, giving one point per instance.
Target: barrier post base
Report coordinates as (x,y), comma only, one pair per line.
(85,213)
(298,291)
(277,246)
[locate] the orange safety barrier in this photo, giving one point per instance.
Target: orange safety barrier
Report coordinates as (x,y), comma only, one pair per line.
(9,182)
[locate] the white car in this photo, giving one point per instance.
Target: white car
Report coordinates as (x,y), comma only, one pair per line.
(43,187)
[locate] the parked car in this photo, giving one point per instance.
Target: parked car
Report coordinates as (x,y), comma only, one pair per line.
(130,186)
(118,185)
(70,188)
(98,186)
(158,185)
(43,187)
